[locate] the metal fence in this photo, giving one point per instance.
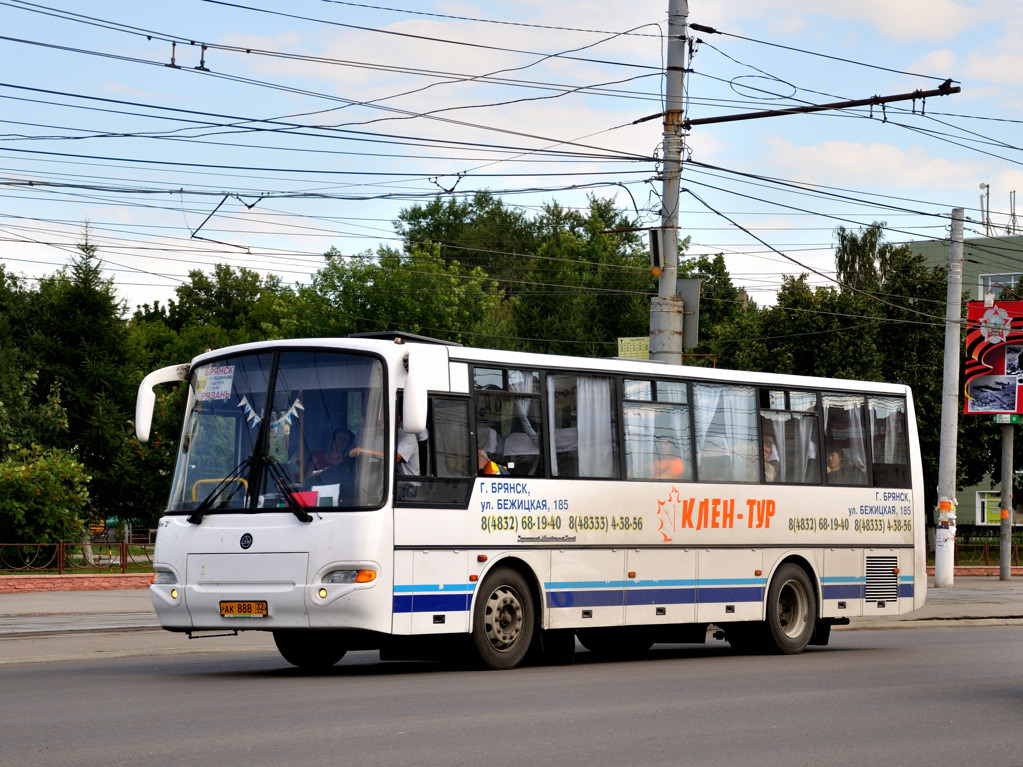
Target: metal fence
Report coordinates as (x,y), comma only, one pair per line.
(987,554)
(66,558)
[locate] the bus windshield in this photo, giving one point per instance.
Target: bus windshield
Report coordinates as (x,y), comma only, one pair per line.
(294,429)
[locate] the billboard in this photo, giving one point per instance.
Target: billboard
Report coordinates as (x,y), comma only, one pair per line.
(994,358)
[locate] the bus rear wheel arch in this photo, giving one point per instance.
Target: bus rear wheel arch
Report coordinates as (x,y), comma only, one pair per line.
(790,616)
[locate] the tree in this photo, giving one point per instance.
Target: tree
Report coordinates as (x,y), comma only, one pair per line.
(80,344)
(588,284)
(44,496)
(727,318)
(418,292)
(478,232)
(234,305)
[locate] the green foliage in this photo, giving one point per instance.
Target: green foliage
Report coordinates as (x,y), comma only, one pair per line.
(417,292)
(79,341)
(589,284)
(22,421)
(480,232)
(43,496)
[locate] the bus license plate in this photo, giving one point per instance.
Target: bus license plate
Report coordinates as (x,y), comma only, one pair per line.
(243,609)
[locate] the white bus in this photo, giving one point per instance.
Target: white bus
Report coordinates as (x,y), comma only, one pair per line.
(418,497)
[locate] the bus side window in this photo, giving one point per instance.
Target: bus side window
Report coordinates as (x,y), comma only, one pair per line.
(581,425)
(889,441)
(727,443)
(845,443)
(448,448)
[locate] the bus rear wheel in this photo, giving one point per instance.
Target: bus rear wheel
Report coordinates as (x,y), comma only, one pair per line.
(310,650)
(503,620)
(791,610)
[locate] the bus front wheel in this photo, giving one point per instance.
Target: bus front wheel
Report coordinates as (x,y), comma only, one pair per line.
(310,649)
(503,620)
(791,610)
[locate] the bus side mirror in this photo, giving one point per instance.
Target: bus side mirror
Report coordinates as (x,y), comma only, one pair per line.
(414,406)
(427,369)
(146,399)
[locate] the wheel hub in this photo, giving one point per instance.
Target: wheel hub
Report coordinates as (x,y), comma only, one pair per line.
(504,618)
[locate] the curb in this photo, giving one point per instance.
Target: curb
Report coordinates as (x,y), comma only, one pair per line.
(23,584)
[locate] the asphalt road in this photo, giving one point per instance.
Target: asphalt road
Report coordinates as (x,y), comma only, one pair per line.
(942,694)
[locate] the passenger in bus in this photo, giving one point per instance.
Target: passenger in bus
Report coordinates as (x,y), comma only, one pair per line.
(771,459)
(839,472)
(486,466)
(668,465)
(407,453)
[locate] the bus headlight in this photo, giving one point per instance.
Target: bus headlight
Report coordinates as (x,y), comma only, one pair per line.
(164,578)
(350,576)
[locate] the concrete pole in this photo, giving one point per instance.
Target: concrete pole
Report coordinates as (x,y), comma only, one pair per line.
(1005,536)
(945,517)
(666,307)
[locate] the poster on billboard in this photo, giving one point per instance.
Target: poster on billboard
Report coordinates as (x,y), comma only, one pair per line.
(994,358)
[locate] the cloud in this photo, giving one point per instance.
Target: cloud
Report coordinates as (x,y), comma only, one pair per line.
(902,20)
(863,165)
(938,62)
(787,27)
(1002,65)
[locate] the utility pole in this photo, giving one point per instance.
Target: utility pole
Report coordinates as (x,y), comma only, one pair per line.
(666,306)
(1005,531)
(945,518)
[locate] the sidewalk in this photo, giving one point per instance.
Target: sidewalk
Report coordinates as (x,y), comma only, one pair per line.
(60,611)
(971,598)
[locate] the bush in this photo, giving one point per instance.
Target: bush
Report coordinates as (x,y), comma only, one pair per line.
(44,493)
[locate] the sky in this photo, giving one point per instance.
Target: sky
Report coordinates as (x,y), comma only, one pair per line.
(260,134)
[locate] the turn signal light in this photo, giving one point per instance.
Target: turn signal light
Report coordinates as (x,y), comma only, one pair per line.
(350,576)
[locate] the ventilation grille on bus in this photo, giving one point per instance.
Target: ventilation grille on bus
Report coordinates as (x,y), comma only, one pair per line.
(882,579)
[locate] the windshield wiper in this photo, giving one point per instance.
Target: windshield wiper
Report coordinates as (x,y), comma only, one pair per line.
(272,468)
(288,489)
(207,503)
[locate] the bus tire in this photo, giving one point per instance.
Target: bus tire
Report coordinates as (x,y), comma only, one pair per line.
(310,650)
(791,610)
(503,620)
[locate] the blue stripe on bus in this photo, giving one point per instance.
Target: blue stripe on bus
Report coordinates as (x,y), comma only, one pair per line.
(643,596)
(855,588)
(665,592)
(458,597)
(842,590)
(432,602)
